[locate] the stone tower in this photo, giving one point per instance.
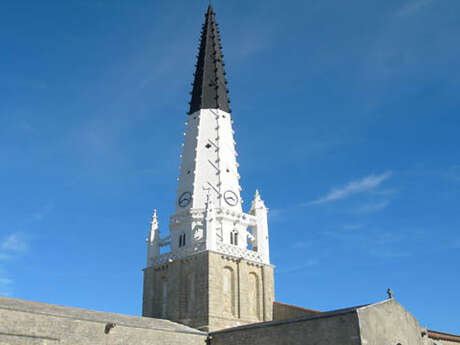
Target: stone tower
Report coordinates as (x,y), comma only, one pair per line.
(217,273)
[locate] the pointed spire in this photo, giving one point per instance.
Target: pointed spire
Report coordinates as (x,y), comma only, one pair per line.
(209,87)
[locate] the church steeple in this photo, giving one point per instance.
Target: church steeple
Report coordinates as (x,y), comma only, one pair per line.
(210,86)
(209,212)
(217,272)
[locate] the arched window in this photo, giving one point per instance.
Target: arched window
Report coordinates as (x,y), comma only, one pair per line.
(234,238)
(254,296)
(182,240)
(164,300)
(228,291)
(190,293)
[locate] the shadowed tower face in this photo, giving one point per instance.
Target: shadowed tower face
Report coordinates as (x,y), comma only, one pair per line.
(217,273)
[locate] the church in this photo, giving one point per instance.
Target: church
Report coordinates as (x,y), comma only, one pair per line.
(210,280)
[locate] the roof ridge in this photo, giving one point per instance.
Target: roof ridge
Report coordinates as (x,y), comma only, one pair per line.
(298,307)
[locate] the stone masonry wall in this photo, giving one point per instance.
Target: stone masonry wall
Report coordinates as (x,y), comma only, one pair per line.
(186,296)
(388,323)
(334,330)
(241,292)
(209,291)
(31,323)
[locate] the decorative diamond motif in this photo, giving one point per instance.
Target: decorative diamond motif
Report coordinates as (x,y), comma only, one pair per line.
(229,249)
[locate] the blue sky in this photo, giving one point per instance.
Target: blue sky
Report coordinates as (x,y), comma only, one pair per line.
(346,118)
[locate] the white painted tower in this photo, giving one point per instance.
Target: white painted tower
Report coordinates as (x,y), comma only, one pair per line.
(217,273)
(209,214)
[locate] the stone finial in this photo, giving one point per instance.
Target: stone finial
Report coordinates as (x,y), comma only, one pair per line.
(390,293)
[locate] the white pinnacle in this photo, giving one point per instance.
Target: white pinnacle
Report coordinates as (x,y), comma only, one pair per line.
(154,230)
(257,202)
(154,222)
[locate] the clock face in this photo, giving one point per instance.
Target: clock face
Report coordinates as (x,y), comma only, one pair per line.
(230,198)
(184,199)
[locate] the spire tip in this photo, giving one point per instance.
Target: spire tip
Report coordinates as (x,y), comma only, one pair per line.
(210,59)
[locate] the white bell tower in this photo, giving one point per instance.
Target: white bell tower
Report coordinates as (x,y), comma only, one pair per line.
(209,214)
(217,273)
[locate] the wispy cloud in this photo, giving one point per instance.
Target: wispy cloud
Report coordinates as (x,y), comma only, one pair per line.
(373,242)
(372,207)
(41,213)
(295,268)
(11,246)
(412,7)
(5,284)
(14,243)
(275,215)
(354,187)
(385,192)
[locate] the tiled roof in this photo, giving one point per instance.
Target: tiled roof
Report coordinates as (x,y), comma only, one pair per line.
(443,336)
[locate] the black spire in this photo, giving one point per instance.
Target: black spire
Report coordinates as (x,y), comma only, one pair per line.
(209,87)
